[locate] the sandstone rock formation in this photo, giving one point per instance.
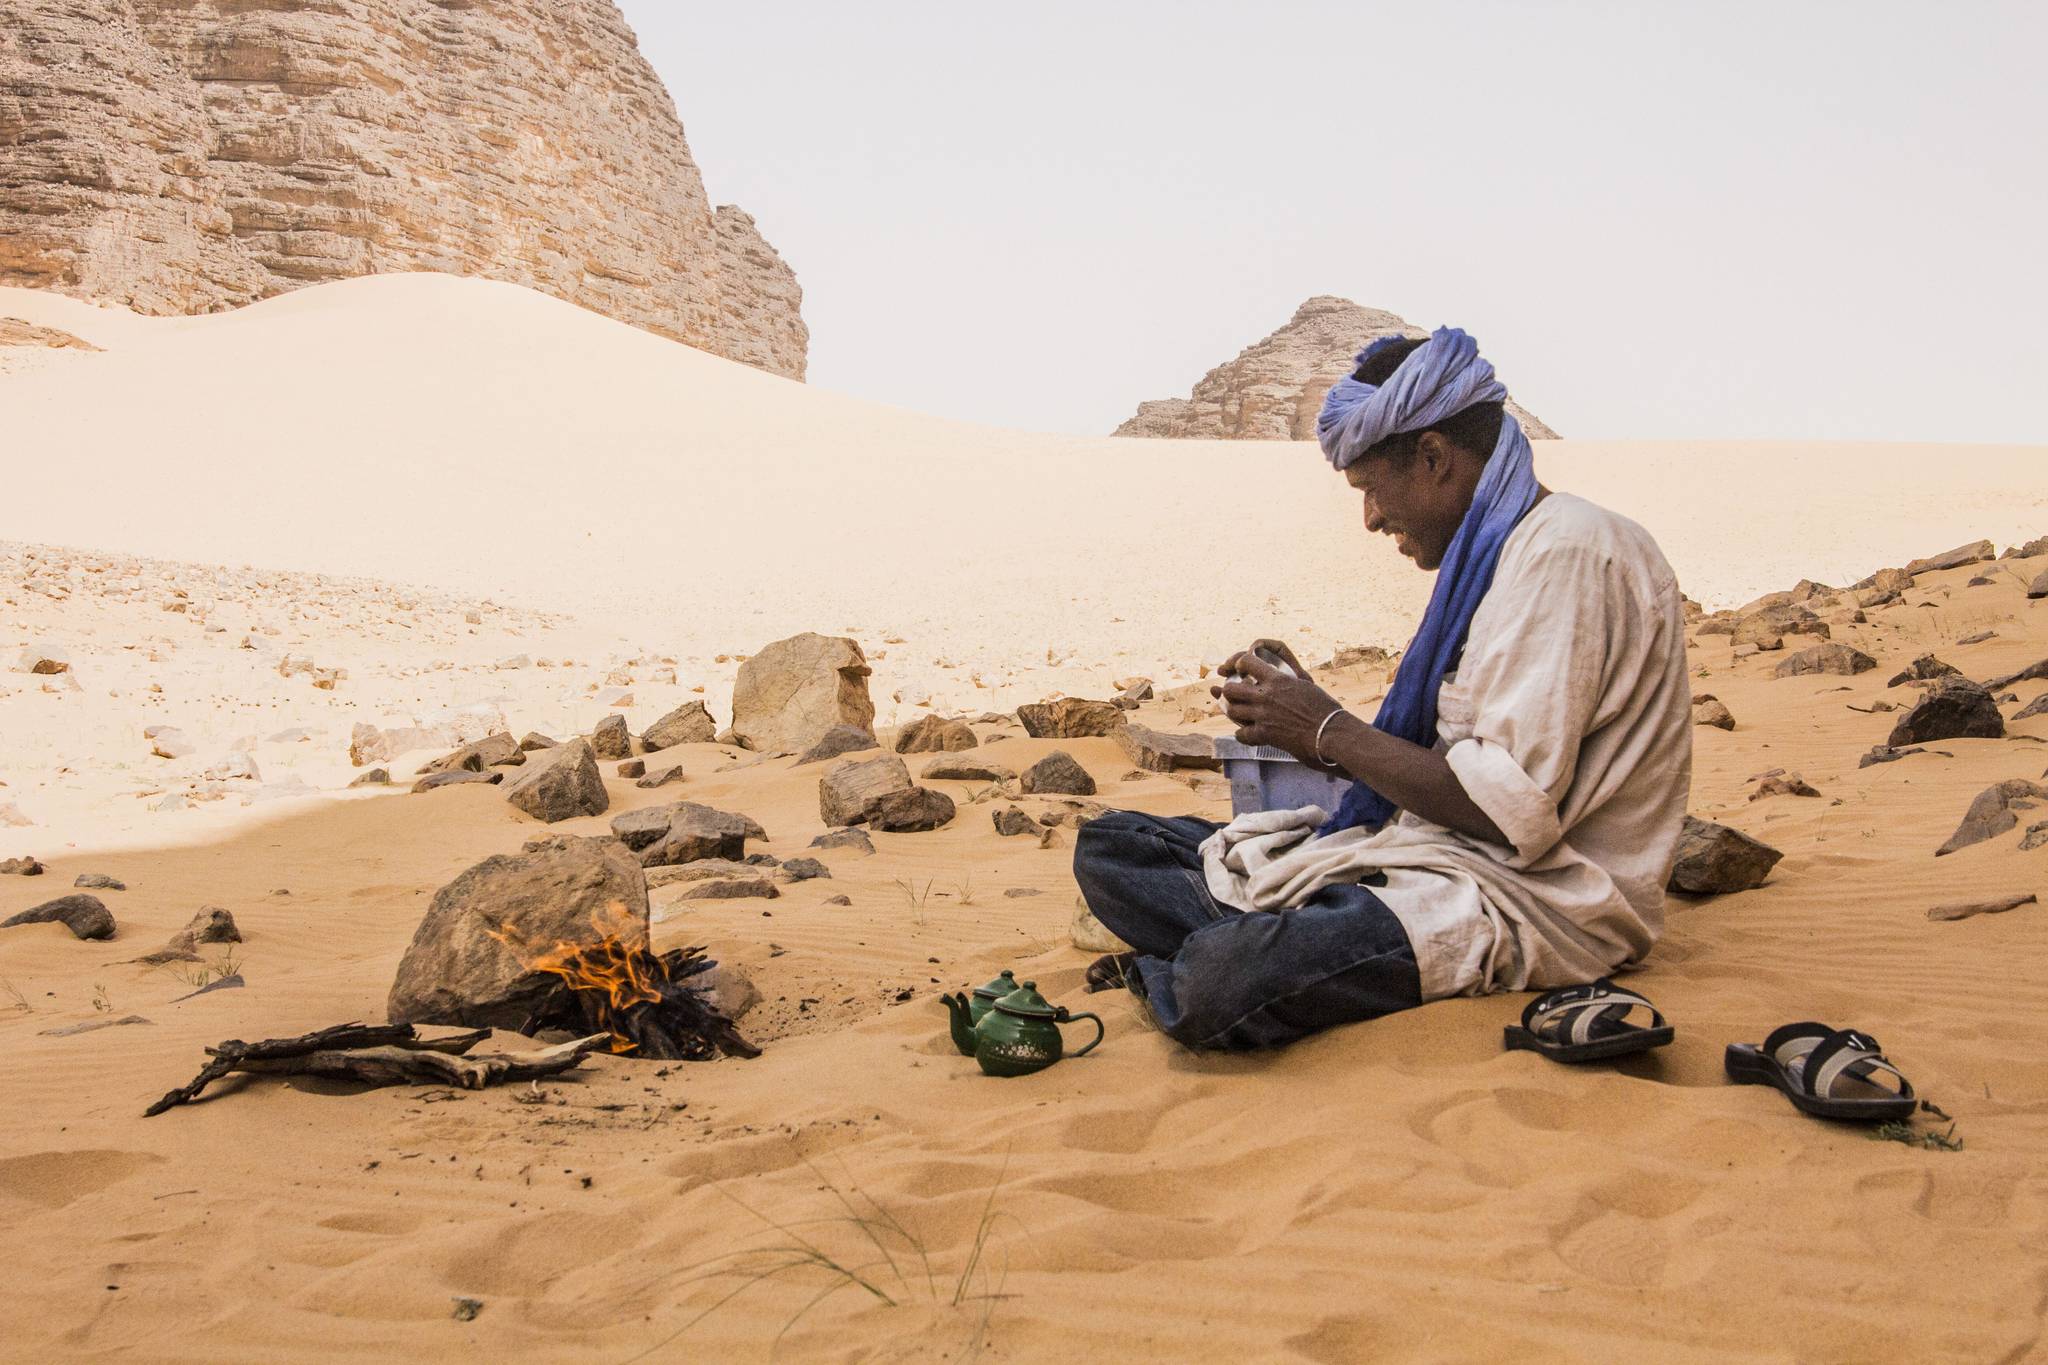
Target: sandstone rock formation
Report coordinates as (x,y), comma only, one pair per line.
(1274,388)
(787,696)
(184,156)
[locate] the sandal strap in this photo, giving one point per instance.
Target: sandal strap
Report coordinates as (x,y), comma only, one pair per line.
(1846,1052)
(1789,1045)
(1569,1015)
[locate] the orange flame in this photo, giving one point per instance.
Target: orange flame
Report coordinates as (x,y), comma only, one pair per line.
(616,965)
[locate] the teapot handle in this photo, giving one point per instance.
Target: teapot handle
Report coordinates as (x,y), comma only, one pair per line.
(1096,1019)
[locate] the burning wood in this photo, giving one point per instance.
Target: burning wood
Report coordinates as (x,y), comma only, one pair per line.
(646,1001)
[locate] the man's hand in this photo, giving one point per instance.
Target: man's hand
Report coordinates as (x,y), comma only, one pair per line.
(1274,647)
(1268,707)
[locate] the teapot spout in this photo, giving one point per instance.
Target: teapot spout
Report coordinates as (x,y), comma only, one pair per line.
(962,1021)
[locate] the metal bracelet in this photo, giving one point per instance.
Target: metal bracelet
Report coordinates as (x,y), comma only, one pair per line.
(1319,737)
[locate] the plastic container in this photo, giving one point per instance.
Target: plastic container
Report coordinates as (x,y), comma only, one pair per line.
(1273,779)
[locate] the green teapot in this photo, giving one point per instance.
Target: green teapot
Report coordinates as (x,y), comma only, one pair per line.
(1018,1033)
(969,1011)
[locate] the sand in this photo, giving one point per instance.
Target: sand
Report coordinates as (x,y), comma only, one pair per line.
(1401,1189)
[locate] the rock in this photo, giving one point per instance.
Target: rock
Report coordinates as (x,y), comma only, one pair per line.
(533,741)
(459,778)
(1978,637)
(1714,860)
(948,769)
(2035,837)
(1020,892)
(2031,550)
(1768,628)
(1993,812)
(1882,753)
(1954,708)
(2037,707)
(248,151)
(467,965)
(730,888)
(2039,587)
(787,696)
(1274,388)
(631,768)
(167,741)
(1090,935)
(1833,658)
(1073,814)
(1956,910)
(1893,581)
(559,784)
(689,723)
(43,661)
(1058,774)
(1070,718)
(611,739)
(931,734)
(1711,711)
(840,739)
(1160,752)
(20,867)
(1974,553)
(804,869)
(85,916)
(763,859)
(703,869)
(2031,673)
(376,777)
(1789,784)
(912,812)
(99,881)
(845,838)
(1014,821)
(370,744)
(1923,669)
(851,793)
(730,991)
(210,925)
(685,832)
(663,778)
(838,900)
(493,750)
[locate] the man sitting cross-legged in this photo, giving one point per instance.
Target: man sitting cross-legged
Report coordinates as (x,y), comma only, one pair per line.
(1516,804)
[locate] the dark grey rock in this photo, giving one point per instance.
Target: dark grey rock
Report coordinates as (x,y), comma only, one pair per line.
(2037,707)
(840,739)
(912,812)
(459,778)
(85,916)
(661,778)
(851,793)
(1833,658)
(99,881)
(1014,821)
(376,777)
(804,869)
(685,832)
(1926,668)
(730,888)
(845,838)
(1993,812)
(492,751)
(534,741)
(1714,860)
(559,784)
(1954,708)
(1161,752)
(1058,773)
(689,723)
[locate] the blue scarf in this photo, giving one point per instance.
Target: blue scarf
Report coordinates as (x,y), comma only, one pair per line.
(1440,378)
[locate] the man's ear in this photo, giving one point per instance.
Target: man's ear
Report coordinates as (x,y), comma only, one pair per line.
(1438,455)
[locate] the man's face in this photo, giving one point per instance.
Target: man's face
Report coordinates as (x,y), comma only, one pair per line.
(1405,497)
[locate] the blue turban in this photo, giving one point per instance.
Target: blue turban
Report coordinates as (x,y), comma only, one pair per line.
(1438,379)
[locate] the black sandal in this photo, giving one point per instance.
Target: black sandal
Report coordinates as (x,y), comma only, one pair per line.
(1112,972)
(1828,1073)
(1586,1024)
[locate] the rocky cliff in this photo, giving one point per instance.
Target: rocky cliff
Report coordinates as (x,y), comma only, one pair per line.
(1275,387)
(184,156)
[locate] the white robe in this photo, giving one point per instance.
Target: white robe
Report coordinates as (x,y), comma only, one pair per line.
(1569,723)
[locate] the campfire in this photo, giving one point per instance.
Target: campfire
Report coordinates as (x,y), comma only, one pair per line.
(645,1000)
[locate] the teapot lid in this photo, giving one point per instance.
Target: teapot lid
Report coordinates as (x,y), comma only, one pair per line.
(1026,1001)
(998,988)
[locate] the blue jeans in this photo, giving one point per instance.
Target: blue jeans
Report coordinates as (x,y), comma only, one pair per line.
(1216,977)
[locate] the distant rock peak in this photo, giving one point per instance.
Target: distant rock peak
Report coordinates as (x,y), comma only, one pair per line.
(1274,388)
(186,156)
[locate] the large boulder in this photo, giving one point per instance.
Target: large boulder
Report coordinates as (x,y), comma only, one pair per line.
(1976,552)
(559,784)
(469,963)
(1833,658)
(689,723)
(1714,860)
(85,916)
(1954,708)
(684,832)
(1994,811)
(1058,773)
(1070,718)
(851,793)
(934,734)
(788,695)
(1160,752)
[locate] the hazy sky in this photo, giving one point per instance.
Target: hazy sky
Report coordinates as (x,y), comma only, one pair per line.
(1738,220)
